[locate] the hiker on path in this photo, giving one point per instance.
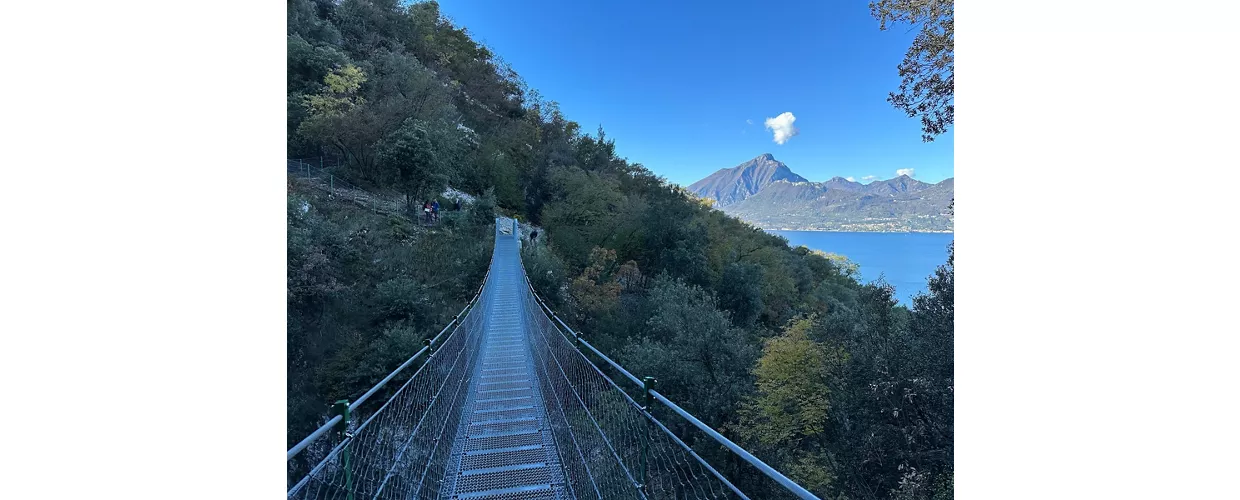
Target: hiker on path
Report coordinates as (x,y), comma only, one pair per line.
(435,210)
(533,236)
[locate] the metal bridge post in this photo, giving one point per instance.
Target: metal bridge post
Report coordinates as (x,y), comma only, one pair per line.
(429,347)
(342,408)
(647,385)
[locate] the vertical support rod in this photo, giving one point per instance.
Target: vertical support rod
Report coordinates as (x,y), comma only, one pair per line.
(331,183)
(342,408)
(647,385)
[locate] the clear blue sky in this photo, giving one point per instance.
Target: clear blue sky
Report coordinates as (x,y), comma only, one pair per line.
(674,83)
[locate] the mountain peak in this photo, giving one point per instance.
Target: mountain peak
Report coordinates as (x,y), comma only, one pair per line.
(896,185)
(734,184)
(838,182)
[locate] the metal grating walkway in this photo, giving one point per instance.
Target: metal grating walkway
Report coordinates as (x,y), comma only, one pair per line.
(503,448)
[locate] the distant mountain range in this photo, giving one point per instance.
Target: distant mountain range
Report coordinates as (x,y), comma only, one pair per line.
(766,193)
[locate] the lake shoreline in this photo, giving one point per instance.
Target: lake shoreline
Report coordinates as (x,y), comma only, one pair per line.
(903,259)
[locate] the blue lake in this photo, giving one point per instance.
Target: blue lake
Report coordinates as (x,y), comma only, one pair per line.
(905,260)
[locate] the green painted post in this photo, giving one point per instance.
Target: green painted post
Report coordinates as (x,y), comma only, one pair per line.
(427,343)
(647,385)
(342,408)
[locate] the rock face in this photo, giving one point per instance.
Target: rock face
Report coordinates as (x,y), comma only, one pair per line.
(766,193)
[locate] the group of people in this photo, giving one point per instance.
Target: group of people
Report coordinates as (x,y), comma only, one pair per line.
(430,210)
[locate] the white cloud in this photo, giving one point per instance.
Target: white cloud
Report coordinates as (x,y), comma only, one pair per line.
(850,179)
(782,126)
(869,177)
(750,122)
(905,171)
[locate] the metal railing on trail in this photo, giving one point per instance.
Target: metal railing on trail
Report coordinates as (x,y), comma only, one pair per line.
(323,177)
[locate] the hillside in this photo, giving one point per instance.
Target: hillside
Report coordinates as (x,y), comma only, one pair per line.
(765,192)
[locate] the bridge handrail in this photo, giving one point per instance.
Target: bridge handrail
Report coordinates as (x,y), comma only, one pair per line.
(769,471)
(322,430)
(550,313)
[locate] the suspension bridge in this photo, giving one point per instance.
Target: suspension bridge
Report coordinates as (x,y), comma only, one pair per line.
(505,403)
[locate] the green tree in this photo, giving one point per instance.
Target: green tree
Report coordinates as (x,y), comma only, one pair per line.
(580,212)
(792,398)
(932,332)
(309,64)
(546,272)
(788,415)
(740,292)
(421,157)
(933,324)
(694,351)
(482,212)
(409,161)
(927,74)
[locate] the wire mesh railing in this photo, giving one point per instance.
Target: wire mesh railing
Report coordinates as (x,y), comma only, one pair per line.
(610,443)
(402,449)
(668,467)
